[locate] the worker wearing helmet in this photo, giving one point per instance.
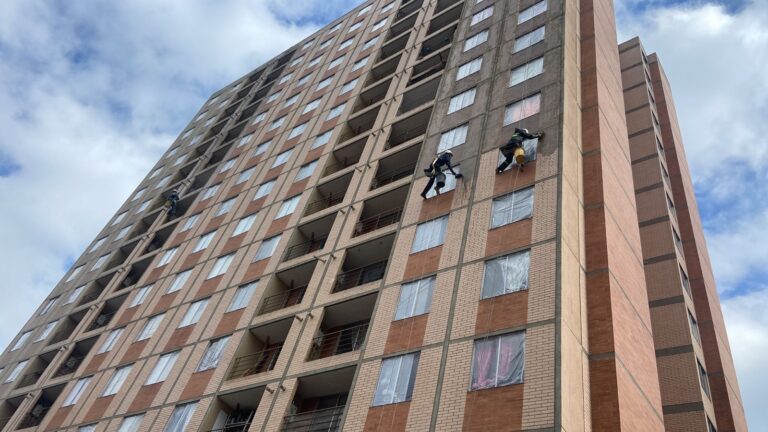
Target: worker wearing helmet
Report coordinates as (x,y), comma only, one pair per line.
(514,151)
(435,172)
(171,202)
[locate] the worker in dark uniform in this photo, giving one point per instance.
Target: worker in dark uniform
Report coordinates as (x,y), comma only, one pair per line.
(435,172)
(514,151)
(172,201)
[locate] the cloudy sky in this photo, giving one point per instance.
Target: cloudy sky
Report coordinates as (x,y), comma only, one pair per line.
(92,92)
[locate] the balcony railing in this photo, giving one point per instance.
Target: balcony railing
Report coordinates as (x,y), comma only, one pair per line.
(391,176)
(235,426)
(325,420)
(69,366)
(304,248)
(283,300)
(324,203)
(253,364)
(360,276)
(338,342)
(380,220)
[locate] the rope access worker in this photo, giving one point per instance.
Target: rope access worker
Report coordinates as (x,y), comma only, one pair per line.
(514,151)
(435,172)
(172,201)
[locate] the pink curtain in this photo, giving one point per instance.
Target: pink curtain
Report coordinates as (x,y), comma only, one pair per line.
(511,359)
(484,364)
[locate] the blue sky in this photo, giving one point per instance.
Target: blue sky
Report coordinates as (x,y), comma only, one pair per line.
(91,93)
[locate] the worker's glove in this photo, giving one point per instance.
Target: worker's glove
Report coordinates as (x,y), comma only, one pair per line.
(459,175)
(540,134)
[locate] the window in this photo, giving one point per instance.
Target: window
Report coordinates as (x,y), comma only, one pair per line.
(244,225)
(194,313)
(210,192)
(482,15)
(140,296)
(379,25)
(46,331)
(364,10)
(76,391)
(678,240)
(212,354)
(453,138)
(506,274)
(532,11)
(277,123)
(16,371)
(244,176)
(190,222)
(74,295)
(324,83)
(311,106)
(204,241)
(335,62)
(74,273)
(710,426)
(118,219)
(244,140)
(303,80)
(22,340)
(48,305)
(150,327)
(288,206)
(260,117)
(359,64)
(180,417)
(99,262)
(143,206)
(348,86)
(387,7)
(156,172)
(196,139)
(370,43)
(139,194)
(461,100)
(282,158)
(167,257)
(694,326)
(321,139)
(87,428)
(164,181)
(110,341)
(308,44)
(334,28)
(162,368)
(498,361)
(261,148)
(226,166)
(346,43)
(284,79)
(686,281)
(172,152)
(131,424)
(298,130)
(522,109)
(273,97)
(267,248)
(306,171)
(415,298)
(355,26)
(512,207)
(242,296)
(220,266)
(469,68)
(225,207)
(264,189)
(396,379)
(123,232)
(526,71)
(429,234)
(703,379)
(117,380)
(291,100)
(178,281)
(314,61)
(529,39)
(335,112)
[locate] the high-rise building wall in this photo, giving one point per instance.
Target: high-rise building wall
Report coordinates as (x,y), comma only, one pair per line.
(304,283)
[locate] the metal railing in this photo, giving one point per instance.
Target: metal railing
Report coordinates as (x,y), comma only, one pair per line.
(253,364)
(325,420)
(380,220)
(324,203)
(69,366)
(235,426)
(283,300)
(360,276)
(304,248)
(387,177)
(338,342)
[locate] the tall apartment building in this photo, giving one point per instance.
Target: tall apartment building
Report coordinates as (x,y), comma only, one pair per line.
(304,284)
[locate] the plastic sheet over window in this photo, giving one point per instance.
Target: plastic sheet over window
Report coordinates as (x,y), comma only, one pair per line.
(506,274)
(415,298)
(498,361)
(180,417)
(396,379)
(512,207)
(429,234)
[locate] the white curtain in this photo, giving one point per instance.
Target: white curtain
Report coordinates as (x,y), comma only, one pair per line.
(506,274)
(396,379)
(212,354)
(512,207)
(429,234)
(180,417)
(415,298)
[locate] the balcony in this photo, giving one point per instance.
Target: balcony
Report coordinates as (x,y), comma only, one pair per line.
(441,19)
(427,68)
(381,211)
(345,156)
(408,8)
(396,167)
(394,46)
(8,408)
(159,238)
(436,42)
(328,194)
(360,124)
(402,26)
(287,288)
(260,349)
(38,412)
(218,155)
(107,313)
(418,96)
(344,328)
(319,402)
(233,412)
(368,97)
(36,368)
(94,289)
(383,69)
(67,326)
(409,128)
(309,237)
(364,263)
(135,273)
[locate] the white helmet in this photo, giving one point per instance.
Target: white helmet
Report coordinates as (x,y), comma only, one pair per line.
(448,152)
(524,130)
